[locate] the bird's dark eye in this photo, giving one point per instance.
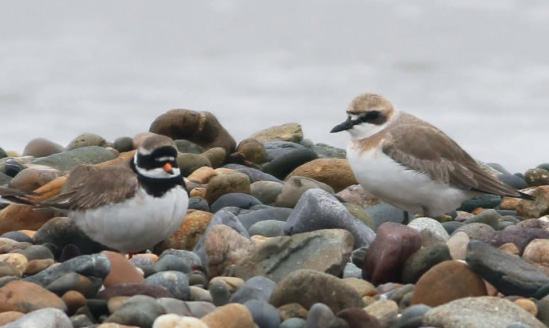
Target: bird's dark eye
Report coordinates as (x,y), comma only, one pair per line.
(369,116)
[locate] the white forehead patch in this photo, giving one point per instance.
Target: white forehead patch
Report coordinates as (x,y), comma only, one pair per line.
(165,159)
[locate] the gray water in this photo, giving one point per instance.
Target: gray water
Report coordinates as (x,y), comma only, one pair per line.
(479,70)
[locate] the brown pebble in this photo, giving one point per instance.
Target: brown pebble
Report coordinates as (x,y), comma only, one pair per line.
(18,261)
(362,287)
(26,297)
(232,315)
(202,174)
(114,303)
(198,192)
(122,270)
(74,300)
(510,248)
(36,266)
(528,305)
(292,310)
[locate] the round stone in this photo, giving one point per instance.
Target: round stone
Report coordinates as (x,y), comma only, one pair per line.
(41,147)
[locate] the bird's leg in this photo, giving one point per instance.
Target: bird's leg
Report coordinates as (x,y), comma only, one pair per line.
(406,219)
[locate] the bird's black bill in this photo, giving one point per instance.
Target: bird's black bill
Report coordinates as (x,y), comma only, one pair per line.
(343,126)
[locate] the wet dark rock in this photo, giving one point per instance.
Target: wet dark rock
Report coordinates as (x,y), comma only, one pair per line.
(509,274)
(281,166)
(239,200)
(484,201)
(254,174)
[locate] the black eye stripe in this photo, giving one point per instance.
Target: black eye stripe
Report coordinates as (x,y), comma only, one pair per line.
(151,161)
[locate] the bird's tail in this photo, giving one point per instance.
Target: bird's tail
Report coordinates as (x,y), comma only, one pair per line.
(9,195)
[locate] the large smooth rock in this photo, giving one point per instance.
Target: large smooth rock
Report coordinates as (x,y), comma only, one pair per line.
(308,287)
(536,254)
(485,312)
(317,209)
(510,274)
(70,159)
(322,250)
(335,172)
(33,178)
(448,281)
(386,256)
(20,217)
(201,128)
(26,297)
(41,147)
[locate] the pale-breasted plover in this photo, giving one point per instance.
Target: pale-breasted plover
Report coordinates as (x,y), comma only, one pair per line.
(128,207)
(409,163)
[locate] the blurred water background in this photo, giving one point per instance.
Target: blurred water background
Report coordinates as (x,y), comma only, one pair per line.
(479,70)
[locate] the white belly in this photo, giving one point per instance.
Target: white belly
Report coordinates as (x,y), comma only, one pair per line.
(136,224)
(406,189)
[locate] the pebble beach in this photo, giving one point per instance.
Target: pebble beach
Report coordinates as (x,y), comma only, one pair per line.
(278,235)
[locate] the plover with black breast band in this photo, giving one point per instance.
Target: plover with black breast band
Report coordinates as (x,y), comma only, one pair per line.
(129,207)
